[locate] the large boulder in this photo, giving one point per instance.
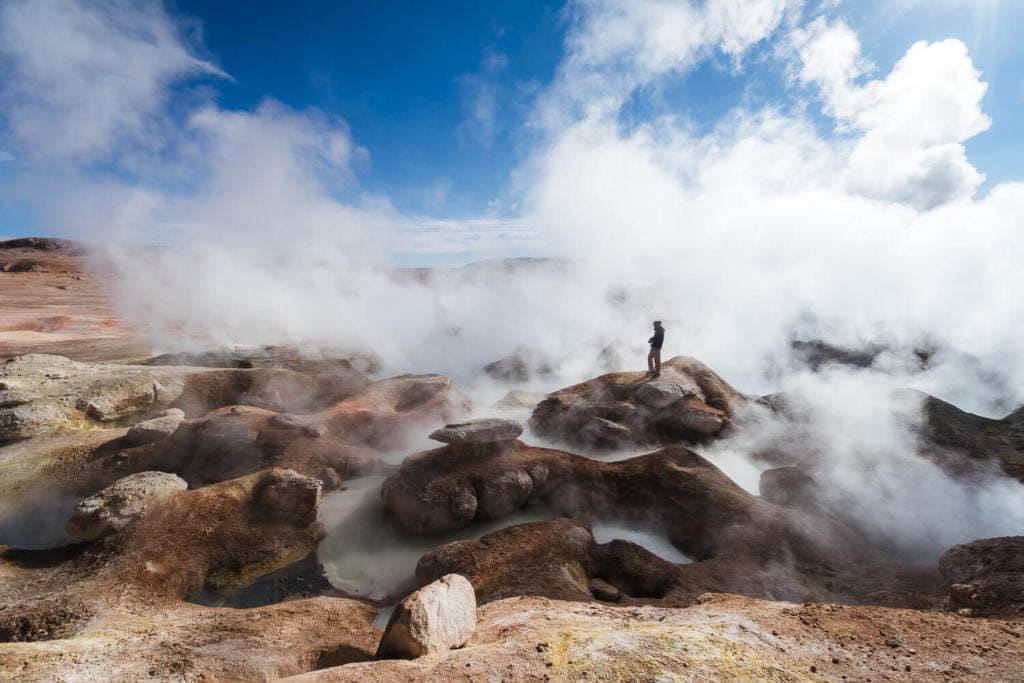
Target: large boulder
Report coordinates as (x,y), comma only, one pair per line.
(688,404)
(122,502)
(483,430)
(986,577)
(434,619)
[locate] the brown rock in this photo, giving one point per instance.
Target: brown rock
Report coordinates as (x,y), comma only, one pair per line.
(689,403)
(986,576)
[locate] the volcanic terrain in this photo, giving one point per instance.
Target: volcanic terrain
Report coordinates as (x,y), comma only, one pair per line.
(277,514)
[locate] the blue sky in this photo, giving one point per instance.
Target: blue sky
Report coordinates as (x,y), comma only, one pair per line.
(401,74)
(441,97)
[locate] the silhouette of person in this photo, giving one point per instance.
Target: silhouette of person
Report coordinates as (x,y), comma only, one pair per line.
(654,357)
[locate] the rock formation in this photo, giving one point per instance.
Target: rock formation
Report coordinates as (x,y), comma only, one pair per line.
(723,638)
(986,577)
(179,543)
(687,403)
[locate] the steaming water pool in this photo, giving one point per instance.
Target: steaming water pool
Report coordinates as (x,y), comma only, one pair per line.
(367,554)
(650,539)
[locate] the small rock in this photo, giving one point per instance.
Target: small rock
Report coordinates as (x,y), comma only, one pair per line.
(10,399)
(239,410)
(155,429)
(659,395)
(114,507)
(602,590)
(484,430)
(434,619)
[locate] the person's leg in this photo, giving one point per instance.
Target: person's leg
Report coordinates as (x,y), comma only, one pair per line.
(657,362)
(650,362)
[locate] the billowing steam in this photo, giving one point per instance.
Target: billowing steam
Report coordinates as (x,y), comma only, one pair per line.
(742,237)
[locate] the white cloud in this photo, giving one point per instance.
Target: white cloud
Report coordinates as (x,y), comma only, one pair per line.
(911,124)
(82,81)
(480,99)
(615,47)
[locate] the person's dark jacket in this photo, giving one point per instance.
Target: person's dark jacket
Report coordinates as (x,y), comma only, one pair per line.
(658,339)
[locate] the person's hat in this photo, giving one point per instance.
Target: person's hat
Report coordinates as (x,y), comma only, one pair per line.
(657,322)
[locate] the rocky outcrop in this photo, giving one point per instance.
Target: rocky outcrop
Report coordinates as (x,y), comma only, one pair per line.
(967,446)
(385,415)
(64,394)
(436,618)
(156,428)
(986,577)
(674,489)
(232,442)
(223,535)
(114,507)
(723,638)
(484,430)
(560,559)
(688,403)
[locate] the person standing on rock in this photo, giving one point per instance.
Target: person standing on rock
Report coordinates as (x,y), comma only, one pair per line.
(654,357)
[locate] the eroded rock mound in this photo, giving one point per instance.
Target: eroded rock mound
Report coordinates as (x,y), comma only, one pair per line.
(688,403)
(436,618)
(986,577)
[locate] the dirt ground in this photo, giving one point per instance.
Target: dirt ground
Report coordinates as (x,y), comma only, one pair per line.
(55,301)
